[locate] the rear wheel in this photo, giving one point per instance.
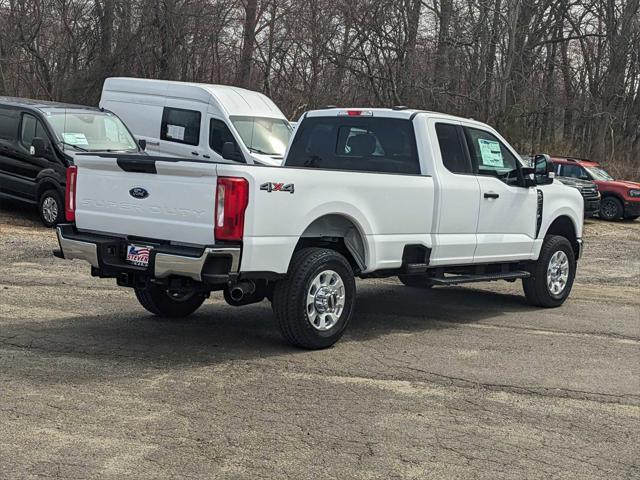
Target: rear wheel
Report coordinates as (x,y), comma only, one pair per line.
(313,305)
(552,275)
(611,208)
(51,208)
(415,281)
(169,303)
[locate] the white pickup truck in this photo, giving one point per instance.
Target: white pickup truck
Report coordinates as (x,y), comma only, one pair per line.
(427,197)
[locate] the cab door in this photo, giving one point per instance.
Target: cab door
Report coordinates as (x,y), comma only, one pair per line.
(508,212)
(457,203)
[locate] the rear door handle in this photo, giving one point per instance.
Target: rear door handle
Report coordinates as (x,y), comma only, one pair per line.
(491,195)
(195,153)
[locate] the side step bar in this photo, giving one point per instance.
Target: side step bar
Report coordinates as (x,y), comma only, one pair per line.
(457,279)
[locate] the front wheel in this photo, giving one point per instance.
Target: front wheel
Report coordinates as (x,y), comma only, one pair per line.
(169,303)
(313,305)
(552,275)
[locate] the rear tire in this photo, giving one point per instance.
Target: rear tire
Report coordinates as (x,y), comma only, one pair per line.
(611,208)
(552,275)
(165,303)
(415,281)
(51,208)
(314,304)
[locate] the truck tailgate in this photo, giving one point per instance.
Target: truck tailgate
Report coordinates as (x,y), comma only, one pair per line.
(155,198)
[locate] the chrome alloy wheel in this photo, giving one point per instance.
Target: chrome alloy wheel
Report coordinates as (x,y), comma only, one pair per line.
(558,273)
(325,300)
(50,209)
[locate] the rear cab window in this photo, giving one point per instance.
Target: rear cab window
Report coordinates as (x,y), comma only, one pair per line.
(368,144)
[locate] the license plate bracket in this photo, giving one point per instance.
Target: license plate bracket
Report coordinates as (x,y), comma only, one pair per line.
(138,255)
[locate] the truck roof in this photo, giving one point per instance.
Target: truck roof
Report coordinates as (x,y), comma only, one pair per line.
(233,100)
(396,112)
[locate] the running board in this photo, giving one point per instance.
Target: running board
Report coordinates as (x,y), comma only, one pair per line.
(455,280)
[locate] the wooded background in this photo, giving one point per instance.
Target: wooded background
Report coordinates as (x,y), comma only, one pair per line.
(554,76)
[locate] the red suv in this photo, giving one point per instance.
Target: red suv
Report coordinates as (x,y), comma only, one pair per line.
(620,198)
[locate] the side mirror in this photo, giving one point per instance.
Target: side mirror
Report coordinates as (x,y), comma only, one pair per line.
(40,148)
(544,169)
(142,143)
(229,151)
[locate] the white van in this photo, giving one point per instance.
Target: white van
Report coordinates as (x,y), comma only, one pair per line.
(196,120)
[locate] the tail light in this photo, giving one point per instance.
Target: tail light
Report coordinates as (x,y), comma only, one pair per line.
(70,194)
(232,197)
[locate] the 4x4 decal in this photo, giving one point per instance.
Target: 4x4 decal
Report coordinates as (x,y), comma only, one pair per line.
(277,187)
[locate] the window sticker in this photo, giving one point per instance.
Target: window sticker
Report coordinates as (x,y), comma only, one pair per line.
(75,138)
(176,132)
(491,153)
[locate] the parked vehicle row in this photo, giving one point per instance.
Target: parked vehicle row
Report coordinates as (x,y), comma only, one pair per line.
(427,197)
(197,121)
(620,198)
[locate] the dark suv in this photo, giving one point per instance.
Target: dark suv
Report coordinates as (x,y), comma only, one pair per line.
(39,140)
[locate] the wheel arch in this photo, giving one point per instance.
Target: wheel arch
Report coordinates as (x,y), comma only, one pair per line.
(564,226)
(48,183)
(339,232)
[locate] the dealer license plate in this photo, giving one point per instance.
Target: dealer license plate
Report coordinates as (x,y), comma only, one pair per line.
(138,255)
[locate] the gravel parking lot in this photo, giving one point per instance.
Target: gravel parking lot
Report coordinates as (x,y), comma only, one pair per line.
(449,383)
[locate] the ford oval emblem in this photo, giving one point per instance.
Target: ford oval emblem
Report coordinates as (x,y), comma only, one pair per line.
(138,192)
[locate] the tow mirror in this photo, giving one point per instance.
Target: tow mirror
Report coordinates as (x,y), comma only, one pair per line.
(544,169)
(40,148)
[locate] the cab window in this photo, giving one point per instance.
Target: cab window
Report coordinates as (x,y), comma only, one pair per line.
(454,157)
(489,155)
(31,128)
(219,134)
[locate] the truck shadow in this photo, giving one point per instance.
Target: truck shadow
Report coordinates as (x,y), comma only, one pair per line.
(218,333)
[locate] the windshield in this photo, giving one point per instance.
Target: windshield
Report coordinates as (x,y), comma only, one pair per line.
(91,131)
(599,173)
(269,136)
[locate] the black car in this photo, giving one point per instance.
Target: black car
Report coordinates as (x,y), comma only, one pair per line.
(589,192)
(39,140)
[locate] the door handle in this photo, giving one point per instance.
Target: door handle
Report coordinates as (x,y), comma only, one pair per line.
(195,153)
(491,195)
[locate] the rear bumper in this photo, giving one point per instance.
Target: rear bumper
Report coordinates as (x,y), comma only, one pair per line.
(210,264)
